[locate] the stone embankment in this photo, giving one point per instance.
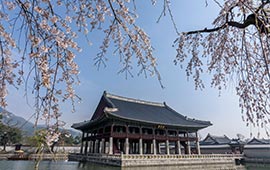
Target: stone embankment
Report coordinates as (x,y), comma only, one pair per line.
(159,160)
(15,156)
(28,153)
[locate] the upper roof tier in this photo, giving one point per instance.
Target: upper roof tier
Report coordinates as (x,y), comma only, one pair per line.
(142,111)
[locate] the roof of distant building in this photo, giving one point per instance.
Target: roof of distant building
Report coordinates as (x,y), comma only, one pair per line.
(215,140)
(258,141)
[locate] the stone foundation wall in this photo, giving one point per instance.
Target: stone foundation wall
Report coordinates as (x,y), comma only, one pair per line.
(227,160)
(181,160)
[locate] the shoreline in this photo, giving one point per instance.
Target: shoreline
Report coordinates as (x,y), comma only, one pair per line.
(32,156)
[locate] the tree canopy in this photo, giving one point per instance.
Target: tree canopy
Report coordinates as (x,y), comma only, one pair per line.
(38,42)
(235,49)
(9,135)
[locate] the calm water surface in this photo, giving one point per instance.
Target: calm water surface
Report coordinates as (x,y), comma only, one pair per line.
(64,165)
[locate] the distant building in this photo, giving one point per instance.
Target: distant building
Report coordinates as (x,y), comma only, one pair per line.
(220,145)
(131,126)
(257,148)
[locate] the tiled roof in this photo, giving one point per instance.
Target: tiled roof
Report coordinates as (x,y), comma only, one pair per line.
(215,140)
(258,141)
(150,112)
(141,111)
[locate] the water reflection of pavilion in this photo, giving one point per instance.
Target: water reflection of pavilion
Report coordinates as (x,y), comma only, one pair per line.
(130,126)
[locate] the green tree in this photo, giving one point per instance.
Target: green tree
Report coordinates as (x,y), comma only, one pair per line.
(77,140)
(9,135)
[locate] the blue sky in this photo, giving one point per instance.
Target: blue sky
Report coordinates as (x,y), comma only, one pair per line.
(179,93)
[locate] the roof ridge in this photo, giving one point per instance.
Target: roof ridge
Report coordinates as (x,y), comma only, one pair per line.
(109,95)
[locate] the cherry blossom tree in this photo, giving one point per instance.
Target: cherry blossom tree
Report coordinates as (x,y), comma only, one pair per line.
(38,45)
(235,50)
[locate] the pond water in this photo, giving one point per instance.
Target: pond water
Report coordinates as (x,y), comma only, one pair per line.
(52,165)
(65,165)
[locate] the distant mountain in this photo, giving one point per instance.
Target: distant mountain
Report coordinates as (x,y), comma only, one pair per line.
(26,126)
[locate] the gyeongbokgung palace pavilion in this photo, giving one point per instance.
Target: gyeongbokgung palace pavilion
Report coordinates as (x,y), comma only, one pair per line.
(131,126)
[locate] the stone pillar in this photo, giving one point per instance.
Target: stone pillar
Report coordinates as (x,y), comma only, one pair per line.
(154,147)
(148,147)
(81,151)
(178,147)
(198,147)
(198,144)
(89,147)
(93,146)
(188,148)
(126,146)
(101,146)
(86,147)
(111,146)
(140,146)
(159,151)
(167,147)
(96,146)
(137,147)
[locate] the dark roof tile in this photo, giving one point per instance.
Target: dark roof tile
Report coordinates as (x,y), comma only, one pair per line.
(150,112)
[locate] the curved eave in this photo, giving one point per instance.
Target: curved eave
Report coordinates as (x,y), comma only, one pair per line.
(151,122)
(87,124)
(208,123)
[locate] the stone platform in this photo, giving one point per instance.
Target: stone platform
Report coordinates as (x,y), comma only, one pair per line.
(158,160)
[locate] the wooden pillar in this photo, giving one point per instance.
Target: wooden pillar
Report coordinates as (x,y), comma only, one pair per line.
(167,147)
(154,147)
(126,146)
(111,146)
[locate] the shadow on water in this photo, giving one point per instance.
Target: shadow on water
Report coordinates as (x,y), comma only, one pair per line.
(257,166)
(92,166)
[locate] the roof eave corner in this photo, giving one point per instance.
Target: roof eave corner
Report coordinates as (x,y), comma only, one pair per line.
(75,127)
(209,123)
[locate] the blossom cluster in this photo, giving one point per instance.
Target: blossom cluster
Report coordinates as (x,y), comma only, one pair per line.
(234,54)
(38,47)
